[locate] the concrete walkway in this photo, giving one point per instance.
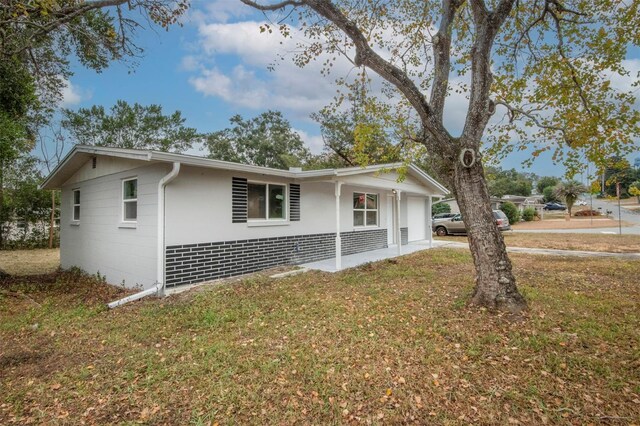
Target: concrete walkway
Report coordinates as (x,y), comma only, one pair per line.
(551,252)
(352,260)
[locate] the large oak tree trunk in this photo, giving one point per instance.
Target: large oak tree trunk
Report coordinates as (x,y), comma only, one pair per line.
(495,283)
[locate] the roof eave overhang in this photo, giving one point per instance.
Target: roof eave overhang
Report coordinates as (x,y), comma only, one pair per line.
(81,153)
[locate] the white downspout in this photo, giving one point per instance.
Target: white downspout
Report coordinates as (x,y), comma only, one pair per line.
(429,220)
(338,238)
(399,232)
(161,225)
(158,288)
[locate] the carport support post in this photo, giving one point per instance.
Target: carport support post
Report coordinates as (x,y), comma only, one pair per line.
(429,222)
(398,233)
(338,238)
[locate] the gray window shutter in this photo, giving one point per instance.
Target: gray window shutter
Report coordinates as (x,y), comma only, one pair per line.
(294,202)
(239,200)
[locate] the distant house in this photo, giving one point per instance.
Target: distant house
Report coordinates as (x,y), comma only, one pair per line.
(520,202)
(146,218)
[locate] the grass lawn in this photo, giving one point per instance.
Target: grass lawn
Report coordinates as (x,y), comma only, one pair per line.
(29,262)
(587,242)
(385,343)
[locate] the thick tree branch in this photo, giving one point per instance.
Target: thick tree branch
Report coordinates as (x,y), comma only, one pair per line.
(513,111)
(481,107)
(567,61)
(442,57)
(272,7)
(160,11)
(366,56)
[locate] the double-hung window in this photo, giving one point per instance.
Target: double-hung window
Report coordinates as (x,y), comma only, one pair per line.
(266,201)
(130,200)
(365,209)
(76,205)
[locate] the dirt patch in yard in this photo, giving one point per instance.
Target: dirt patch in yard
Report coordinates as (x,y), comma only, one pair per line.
(574,223)
(391,342)
(30,262)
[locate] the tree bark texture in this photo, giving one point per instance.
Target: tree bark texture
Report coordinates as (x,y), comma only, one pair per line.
(495,284)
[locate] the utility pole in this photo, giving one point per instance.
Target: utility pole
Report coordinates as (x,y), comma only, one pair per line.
(619,210)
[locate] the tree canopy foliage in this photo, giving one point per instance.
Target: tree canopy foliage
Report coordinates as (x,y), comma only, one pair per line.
(508,182)
(130,126)
(266,140)
(550,79)
(546,181)
(618,170)
(22,201)
(42,36)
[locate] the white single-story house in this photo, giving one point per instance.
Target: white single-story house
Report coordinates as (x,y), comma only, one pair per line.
(147,218)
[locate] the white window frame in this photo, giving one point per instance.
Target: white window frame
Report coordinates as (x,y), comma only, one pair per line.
(365,209)
(267,219)
(130,200)
(74,205)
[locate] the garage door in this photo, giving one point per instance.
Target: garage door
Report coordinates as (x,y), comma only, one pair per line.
(416,209)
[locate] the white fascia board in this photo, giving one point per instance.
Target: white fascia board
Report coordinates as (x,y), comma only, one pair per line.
(56,169)
(192,160)
(368,169)
(418,171)
(91,150)
(196,161)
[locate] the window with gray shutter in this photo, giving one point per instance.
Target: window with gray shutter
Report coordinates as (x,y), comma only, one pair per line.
(239,200)
(294,202)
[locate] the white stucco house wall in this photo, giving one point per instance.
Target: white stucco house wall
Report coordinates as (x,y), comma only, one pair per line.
(147,218)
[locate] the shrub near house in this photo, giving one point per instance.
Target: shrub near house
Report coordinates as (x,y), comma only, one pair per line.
(512,212)
(528,214)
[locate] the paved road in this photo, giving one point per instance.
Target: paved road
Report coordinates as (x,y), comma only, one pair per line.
(626,214)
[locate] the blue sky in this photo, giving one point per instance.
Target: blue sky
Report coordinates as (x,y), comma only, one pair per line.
(215,66)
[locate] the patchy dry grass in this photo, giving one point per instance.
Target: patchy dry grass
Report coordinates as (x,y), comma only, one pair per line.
(574,223)
(30,262)
(390,342)
(585,242)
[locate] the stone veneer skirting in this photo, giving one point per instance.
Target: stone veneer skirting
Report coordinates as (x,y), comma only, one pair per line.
(194,263)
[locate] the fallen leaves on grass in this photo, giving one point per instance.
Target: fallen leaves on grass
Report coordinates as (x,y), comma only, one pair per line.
(385,343)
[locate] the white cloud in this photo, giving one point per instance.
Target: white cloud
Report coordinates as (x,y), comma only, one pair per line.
(298,91)
(189,63)
(624,83)
(315,143)
(220,11)
(72,95)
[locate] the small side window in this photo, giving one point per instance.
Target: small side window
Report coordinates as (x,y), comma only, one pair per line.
(130,200)
(76,205)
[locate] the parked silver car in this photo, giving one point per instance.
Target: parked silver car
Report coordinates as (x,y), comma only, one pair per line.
(455,225)
(441,216)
